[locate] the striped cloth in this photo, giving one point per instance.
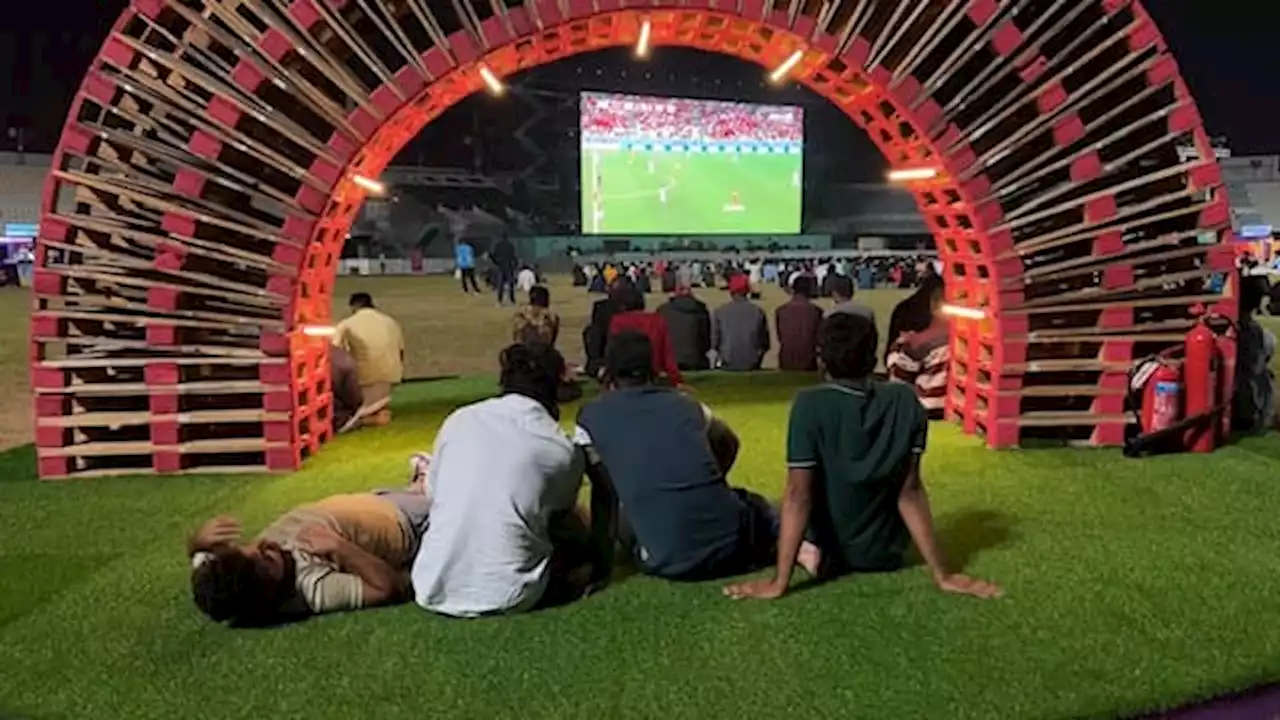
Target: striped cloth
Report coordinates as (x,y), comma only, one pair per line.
(921,359)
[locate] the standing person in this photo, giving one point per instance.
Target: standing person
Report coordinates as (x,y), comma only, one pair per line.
(690,324)
(797,322)
(503,255)
(666,457)
(376,342)
(504,535)
(739,330)
(464,256)
(853,478)
(842,291)
(633,317)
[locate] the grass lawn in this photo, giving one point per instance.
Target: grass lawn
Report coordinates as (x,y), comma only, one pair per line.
(1132,585)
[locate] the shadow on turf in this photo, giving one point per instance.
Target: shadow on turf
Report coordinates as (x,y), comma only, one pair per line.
(965,535)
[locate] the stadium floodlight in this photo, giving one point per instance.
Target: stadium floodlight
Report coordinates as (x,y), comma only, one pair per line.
(319,330)
(642,44)
(495,85)
(371,186)
(780,73)
(960,311)
(909,174)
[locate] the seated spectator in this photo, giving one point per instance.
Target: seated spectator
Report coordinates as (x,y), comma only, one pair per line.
(739,330)
(536,322)
(853,483)
(797,322)
(690,325)
(1254,405)
(916,312)
(526,279)
(922,360)
(596,334)
(505,535)
(345,552)
(347,398)
(666,457)
(842,292)
(632,316)
(376,342)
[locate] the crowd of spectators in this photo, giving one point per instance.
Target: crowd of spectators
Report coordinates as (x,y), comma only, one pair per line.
(627,117)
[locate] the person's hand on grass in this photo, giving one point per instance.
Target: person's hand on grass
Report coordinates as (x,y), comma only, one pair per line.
(321,541)
(762,589)
(222,530)
(957,584)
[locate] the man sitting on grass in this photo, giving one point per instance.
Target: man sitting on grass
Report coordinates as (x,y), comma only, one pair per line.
(345,552)
(504,534)
(666,457)
(853,453)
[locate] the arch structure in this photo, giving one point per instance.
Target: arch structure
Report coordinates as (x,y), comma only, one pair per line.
(203,189)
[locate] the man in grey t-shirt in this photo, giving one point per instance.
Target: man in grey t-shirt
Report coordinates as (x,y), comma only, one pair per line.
(739,329)
(842,292)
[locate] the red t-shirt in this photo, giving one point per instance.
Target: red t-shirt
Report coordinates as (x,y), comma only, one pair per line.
(655,327)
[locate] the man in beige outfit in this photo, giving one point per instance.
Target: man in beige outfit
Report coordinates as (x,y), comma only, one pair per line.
(376,342)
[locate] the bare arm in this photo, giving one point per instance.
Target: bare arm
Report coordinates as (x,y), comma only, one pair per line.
(797,502)
(379,582)
(604,517)
(913,506)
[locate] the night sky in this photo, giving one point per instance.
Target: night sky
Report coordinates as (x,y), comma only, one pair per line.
(1223,46)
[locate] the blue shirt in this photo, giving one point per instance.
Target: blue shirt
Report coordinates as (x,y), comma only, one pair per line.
(465,256)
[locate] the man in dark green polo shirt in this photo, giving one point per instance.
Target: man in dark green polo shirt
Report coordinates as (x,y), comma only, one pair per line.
(853,483)
(666,457)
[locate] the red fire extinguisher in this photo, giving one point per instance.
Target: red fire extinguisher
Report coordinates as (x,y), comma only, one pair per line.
(1201,368)
(1162,398)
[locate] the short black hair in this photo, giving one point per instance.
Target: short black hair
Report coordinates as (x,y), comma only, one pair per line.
(628,359)
(803,286)
(847,344)
(1253,289)
(533,370)
(539,296)
(360,300)
(842,286)
(628,297)
(234,588)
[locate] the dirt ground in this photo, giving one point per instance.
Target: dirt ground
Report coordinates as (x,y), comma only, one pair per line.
(447,332)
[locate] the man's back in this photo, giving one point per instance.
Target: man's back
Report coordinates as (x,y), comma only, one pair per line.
(689,324)
(742,334)
(376,342)
(499,470)
(858,438)
(797,322)
(653,441)
(853,307)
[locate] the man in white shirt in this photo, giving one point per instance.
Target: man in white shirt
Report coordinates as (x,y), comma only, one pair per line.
(504,535)
(526,279)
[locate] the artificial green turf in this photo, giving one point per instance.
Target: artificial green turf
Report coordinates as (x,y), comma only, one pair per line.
(700,187)
(1131,585)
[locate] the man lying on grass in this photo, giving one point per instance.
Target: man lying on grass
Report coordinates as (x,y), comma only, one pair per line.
(853,484)
(666,457)
(342,553)
(505,535)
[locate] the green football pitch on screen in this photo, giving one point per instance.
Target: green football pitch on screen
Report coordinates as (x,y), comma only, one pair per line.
(646,192)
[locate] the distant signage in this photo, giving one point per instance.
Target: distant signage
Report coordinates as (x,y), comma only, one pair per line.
(1187,153)
(1254,232)
(21,230)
